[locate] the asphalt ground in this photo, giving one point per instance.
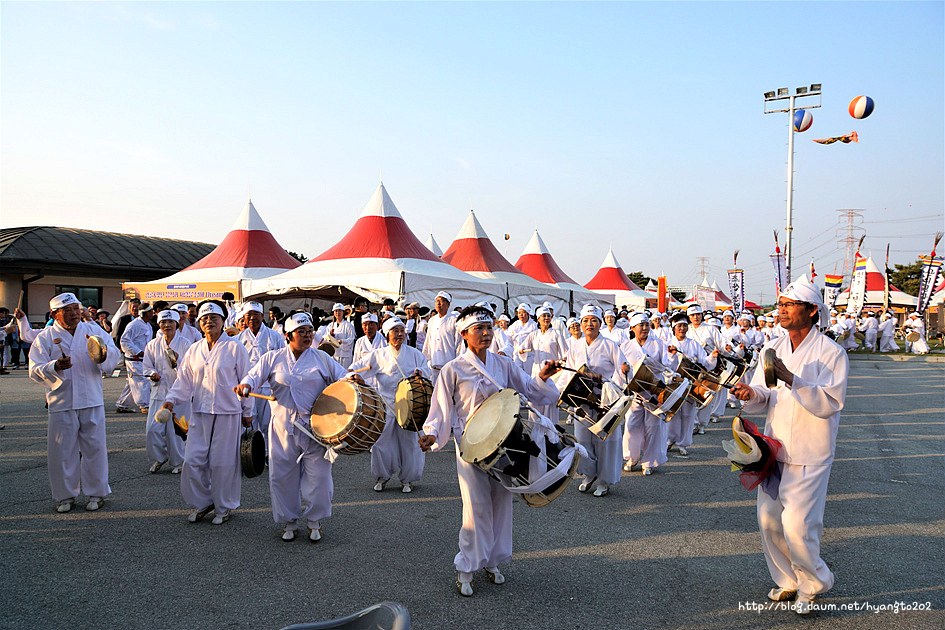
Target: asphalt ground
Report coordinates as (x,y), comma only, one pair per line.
(678,549)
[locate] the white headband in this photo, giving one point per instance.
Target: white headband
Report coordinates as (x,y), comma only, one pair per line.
(297,321)
(445,295)
(590,310)
(572,321)
(180,307)
(472,319)
(252,306)
(504,318)
(63,299)
(692,310)
(172,315)
(210,308)
(390,323)
(542,311)
(727,312)
(610,313)
(524,306)
(639,318)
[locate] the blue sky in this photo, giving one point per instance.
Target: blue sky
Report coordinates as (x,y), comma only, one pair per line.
(633,124)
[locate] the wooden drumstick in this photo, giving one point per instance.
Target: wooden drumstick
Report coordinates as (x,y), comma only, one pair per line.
(366,367)
(58,343)
(263,396)
(19,302)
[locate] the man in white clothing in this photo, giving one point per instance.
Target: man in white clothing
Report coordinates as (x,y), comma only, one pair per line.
(803,413)
(76,454)
(519,331)
(371,340)
(258,339)
(887,334)
(443,342)
(133,341)
(342,330)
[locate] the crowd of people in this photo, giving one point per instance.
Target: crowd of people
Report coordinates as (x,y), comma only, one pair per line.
(219,368)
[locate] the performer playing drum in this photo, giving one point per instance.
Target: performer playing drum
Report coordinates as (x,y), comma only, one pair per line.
(299,468)
(396,451)
(206,376)
(485,538)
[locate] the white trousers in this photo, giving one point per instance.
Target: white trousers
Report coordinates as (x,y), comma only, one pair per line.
(887,343)
(485,539)
(137,388)
(644,438)
(300,483)
(604,457)
(679,429)
(211,473)
(397,452)
(791,527)
(76,454)
(871,339)
(161,442)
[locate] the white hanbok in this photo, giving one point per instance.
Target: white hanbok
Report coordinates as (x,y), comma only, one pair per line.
(805,417)
(442,343)
(206,378)
(134,339)
(540,347)
(887,339)
(644,438)
(364,346)
(485,538)
(605,457)
(257,345)
(710,338)
(343,332)
(501,342)
(161,441)
(300,483)
(76,453)
(922,345)
(396,452)
(518,333)
(679,431)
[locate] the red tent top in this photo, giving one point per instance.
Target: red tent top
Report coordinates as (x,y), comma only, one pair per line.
(610,277)
(380,232)
(249,245)
(875,280)
(473,251)
(537,262)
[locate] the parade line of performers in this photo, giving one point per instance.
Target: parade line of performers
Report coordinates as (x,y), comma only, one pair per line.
(206,361)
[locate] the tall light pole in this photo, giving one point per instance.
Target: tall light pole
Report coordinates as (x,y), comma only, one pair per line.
(771,97)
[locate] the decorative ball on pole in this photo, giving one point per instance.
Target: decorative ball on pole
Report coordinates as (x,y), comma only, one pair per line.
(803,119)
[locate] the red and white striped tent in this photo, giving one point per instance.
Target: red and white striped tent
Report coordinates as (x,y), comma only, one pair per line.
(249,251)
(537,262)
(611,279)
(875,289)
(473,252)
(379,257)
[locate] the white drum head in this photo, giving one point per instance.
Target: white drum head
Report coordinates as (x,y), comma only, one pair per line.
(489,425)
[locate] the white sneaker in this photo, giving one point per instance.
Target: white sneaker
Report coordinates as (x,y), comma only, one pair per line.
(288,535)
(465,588)
(176,470)
(198,514)
(221,517)
(495,576)
(600,490)
(683,450)
(379,485)
(781,594)
(407,489)
(586,484)
(156,466)
(701,430)
(314,533)
(803,604)
(64,506)
(94,503)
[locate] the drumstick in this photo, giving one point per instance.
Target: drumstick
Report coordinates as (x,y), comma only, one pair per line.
(263,396)
(366,367)
(19,302)
(58,341)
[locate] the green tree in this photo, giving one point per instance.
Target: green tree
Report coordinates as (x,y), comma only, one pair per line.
(302,258)
(639,279)
(906,277)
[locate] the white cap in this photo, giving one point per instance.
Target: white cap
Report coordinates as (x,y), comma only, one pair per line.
(209,308)
(591,310)
(369,317)
(610,313)
(693,309)
(390,323)
(63,299)
(445,295)
(548,306)
(180,307)
(297,320)
(572,321)
(503,317)
(487,306)
(728,311)
(524,306)
(542,311)
(252,306)
(338,307)
(172,315)
(638,318)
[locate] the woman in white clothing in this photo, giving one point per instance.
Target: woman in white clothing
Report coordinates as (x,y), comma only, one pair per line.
(299,468)
(396,451)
